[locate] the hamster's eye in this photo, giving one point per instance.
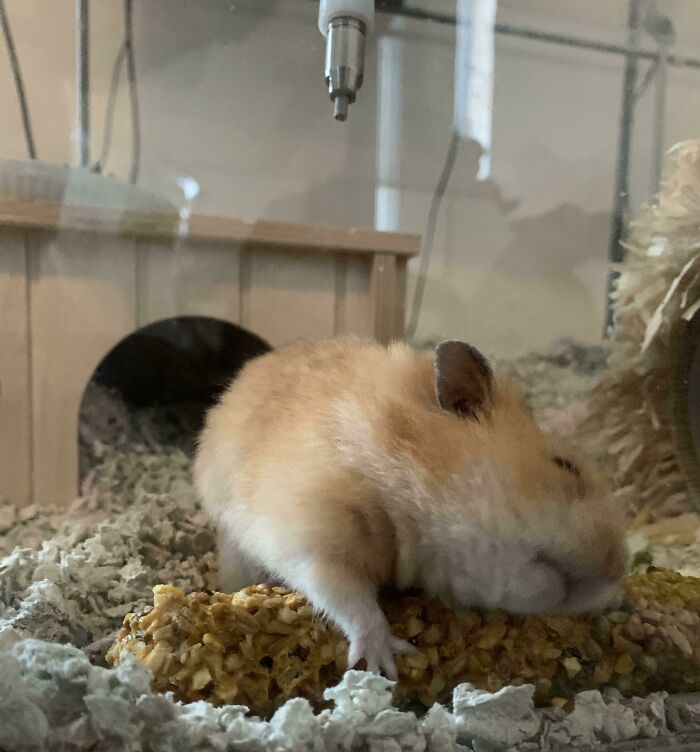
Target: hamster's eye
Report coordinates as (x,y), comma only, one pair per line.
(567,465)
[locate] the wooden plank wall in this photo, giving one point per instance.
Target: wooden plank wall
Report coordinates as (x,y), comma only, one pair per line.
(291,295)
(278,296)
(15,380)
(184,280)
(83,295)
(67,298)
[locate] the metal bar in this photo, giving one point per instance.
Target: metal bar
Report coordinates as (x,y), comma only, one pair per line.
(82,80)
(589,44)
(19,86)
(133,91)
(390,108)
(419,14)
(621,194)
(542,36)
(659,126)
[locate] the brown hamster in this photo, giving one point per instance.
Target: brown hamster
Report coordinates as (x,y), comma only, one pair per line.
(343,466)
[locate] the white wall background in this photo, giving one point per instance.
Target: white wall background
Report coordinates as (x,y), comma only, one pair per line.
(231,94)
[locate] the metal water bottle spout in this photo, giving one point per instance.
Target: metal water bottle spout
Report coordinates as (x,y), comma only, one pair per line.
(346,25)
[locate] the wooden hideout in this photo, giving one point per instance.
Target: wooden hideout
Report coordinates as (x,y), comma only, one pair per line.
(75,281)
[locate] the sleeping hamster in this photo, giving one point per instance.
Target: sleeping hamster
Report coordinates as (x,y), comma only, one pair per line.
(343,466)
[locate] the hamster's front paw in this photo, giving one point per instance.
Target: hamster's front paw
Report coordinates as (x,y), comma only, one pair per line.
(377,646)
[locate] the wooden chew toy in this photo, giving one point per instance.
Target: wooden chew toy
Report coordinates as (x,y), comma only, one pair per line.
(261,646)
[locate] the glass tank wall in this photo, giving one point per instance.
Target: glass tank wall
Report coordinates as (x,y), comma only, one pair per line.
(177,198)
(233,119)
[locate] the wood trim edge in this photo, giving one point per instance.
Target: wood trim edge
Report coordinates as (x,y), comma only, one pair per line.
(47,215)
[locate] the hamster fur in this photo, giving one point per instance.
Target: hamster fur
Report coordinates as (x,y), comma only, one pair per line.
(343,466)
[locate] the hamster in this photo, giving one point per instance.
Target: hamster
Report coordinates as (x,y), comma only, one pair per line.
(342,466)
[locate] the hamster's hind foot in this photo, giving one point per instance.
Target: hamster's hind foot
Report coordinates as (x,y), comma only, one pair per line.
(377,648)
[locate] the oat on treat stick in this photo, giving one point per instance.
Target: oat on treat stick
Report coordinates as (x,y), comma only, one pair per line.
(261,646)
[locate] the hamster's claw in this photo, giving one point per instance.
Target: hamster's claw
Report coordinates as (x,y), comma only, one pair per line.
(377,652)
(402,647)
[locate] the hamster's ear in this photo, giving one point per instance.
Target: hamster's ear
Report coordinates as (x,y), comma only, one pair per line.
(463,379)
